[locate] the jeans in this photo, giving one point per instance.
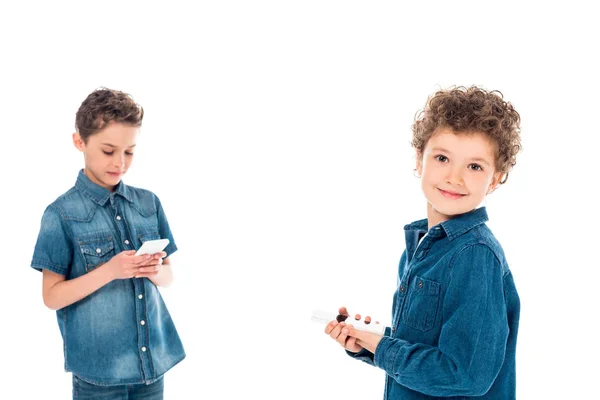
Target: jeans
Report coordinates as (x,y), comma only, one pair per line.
(83,391)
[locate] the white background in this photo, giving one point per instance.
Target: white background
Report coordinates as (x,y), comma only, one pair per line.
(277,137)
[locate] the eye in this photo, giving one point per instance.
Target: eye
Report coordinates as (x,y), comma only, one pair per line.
(128,153)
(475,167)
(108,153)
(441,158)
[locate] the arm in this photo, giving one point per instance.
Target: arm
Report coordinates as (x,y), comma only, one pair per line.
(163,277)
(59,293)
(472,342)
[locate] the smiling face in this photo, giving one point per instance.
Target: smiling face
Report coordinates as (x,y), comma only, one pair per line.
(108,153)
(457,172)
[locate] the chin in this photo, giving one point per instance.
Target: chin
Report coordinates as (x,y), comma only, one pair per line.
(450,210)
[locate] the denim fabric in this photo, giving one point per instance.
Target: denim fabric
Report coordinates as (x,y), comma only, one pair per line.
(86,391)
(455,316)
(122,333)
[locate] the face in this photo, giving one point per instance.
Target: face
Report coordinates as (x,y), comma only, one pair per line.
(108,153)
(457,172)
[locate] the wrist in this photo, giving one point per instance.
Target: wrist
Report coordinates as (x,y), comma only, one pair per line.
(106,272)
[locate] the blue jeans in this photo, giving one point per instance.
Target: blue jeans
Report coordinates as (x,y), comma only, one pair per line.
(83,391)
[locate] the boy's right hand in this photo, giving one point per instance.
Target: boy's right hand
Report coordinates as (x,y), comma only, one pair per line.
(334,329)
(126,265)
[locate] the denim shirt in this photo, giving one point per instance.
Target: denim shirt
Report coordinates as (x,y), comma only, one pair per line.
(455,316)
(122,333)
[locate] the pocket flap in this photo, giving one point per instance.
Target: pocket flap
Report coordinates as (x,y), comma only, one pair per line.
(98,247)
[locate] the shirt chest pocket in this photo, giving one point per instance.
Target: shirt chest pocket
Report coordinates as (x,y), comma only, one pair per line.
(421,306)
(97,251)
(149,234)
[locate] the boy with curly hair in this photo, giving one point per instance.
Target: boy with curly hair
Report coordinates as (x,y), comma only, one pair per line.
(456,309)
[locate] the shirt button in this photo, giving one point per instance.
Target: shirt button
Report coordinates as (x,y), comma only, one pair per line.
(126,241)
(143,349)
(118,217)
(140,296)
(98,251)
(420,284)
(142,322)
(402,288)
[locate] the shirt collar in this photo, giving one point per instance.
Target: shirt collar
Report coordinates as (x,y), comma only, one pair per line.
(97,193)
(453,227)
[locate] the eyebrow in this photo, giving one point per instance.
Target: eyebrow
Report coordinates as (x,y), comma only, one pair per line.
(113,146)
(478,159)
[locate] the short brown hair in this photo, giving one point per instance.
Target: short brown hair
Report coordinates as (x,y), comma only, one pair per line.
(472,110)
(103,106)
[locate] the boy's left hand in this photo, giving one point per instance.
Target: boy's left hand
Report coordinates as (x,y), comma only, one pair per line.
(152,267)
(366,340)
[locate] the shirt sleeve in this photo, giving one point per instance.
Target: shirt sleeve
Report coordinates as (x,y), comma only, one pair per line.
(163,228)
(365,355)
(54,249)
(472,342)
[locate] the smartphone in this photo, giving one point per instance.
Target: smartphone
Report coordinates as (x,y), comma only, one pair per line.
(152,246)
(324,317)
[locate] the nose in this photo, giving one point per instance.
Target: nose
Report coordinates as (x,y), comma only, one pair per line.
(455,176)
(119,160)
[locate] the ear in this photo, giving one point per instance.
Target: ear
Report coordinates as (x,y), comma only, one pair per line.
(495,182)
(78,142)
(419,164)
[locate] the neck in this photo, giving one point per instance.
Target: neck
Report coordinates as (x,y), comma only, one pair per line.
(93,178)
(434,217)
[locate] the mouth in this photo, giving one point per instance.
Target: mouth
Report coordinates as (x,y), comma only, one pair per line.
(115,174)
(451,195)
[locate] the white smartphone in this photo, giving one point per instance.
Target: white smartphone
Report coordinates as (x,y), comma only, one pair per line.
(152,246)
(324,317)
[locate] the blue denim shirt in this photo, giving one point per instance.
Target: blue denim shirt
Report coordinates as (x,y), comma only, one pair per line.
(455,315)
(122,333)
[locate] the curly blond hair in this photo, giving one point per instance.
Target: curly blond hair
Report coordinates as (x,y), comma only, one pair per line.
(472,109)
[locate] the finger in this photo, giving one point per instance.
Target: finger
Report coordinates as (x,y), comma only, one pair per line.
(330,326)
(357,317)
(351,331)
(151,263)
(343,311)
(143,259)
(351,342)
(341,318)
(150,268)
(366,337)
(367,320)
(336,331)
(145,274)
(341,339)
